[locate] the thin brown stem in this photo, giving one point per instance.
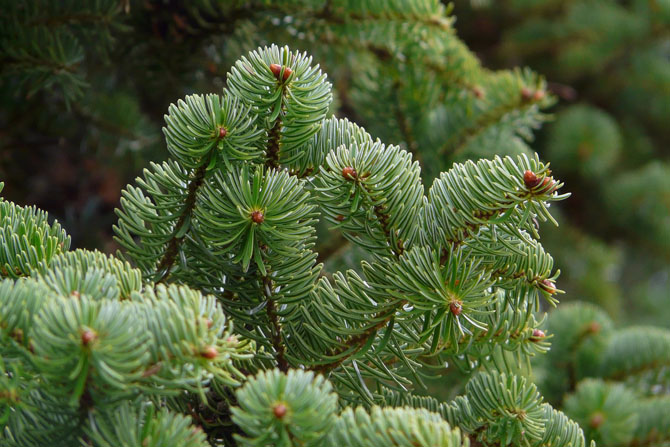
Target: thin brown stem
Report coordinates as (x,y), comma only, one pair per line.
(276,337)
(272,152)
(358,341)
(336,245)
(174,243)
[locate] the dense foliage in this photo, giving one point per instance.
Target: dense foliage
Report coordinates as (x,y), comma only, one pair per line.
(284,277)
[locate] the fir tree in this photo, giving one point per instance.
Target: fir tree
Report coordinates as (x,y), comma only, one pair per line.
(232,315)
(227,291)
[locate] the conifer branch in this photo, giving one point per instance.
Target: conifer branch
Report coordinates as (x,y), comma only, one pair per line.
(403,123)
(362,339)
(457,144)
(274,135)
(172,249)
(275,326)
(357,341)
(523,106)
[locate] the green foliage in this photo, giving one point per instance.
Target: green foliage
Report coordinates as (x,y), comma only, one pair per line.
(509,409)
(26,238)
(604,412)
(393,426)
(249,213)
(75,347)
(224,320)
(43,43)
(285,409)
(128,427)
(584,140)
(639,200)
(195,127)
(457,272)
(608,63)
(613,382)
(372,188)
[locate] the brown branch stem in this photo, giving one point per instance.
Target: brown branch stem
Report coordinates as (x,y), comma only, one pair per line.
(359,341)
(276,337)
(174,243)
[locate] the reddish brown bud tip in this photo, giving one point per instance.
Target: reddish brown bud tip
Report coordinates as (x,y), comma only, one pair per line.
(287,72)
(538,95)
(257,217)
(530,179)
(210,352)
(593,327)
(548,286)
(222,132)
(597,420)
(538,334)
(75,294)
(279,410)
(339,218)
(526,93)
(209,323)
(276,70)
(455,308)
(87,337)
(349,173)
(478,92)
(548,186)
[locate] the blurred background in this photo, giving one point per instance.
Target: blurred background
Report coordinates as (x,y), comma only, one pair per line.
(84,86)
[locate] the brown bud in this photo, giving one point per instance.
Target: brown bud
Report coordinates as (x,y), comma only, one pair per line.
(17,334)
(276,70)
(593,327)
(209,323)
(538,95)
(258,217)
(209,352)
(548,286)
(349,173)
(538,334)
(530,179)
(87,337)
(75,294)
(597,420)
(455,308)
(279,410)
(478,92)
(339,218)
(526,93)
(548,186)
(222,132)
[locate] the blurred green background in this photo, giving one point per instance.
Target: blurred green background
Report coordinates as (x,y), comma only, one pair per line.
(85,85)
